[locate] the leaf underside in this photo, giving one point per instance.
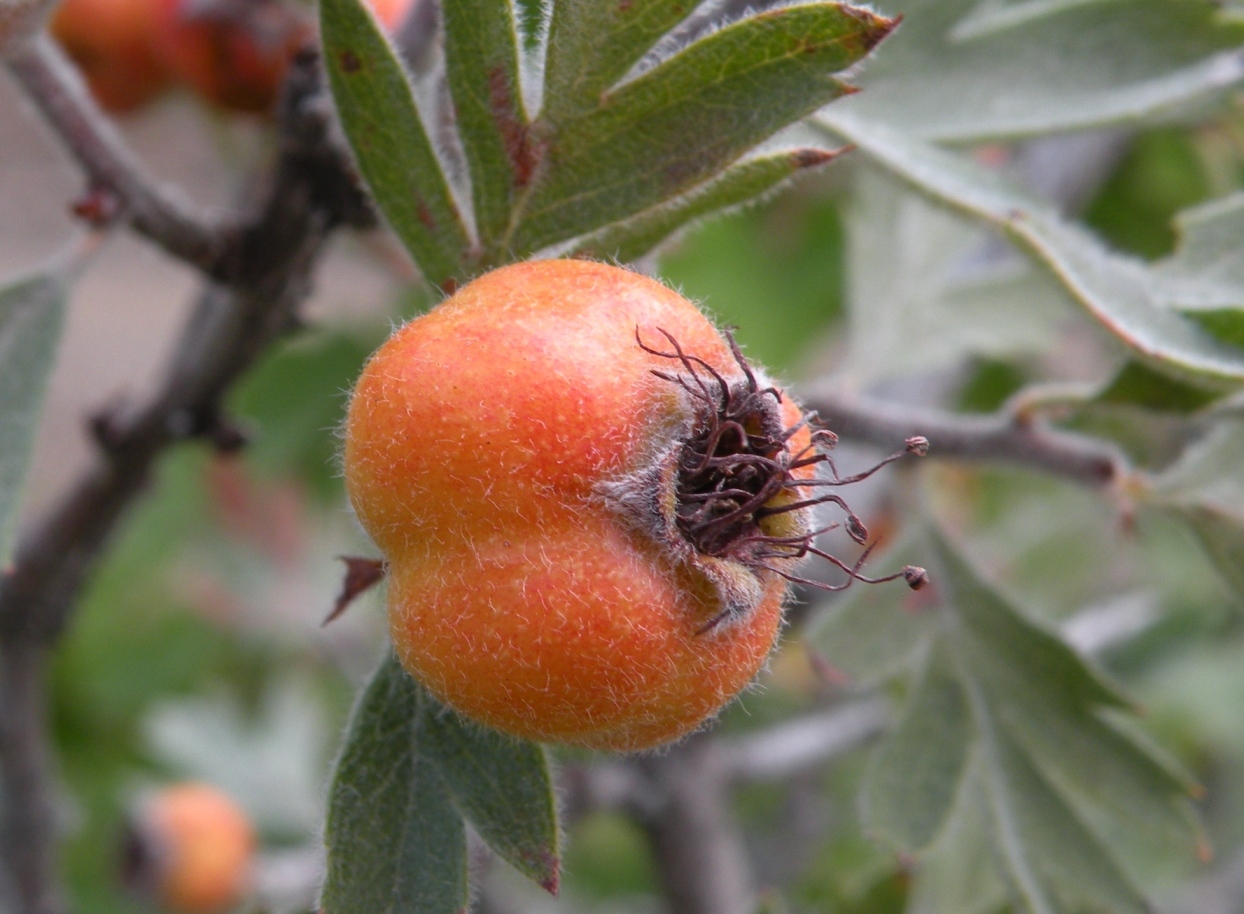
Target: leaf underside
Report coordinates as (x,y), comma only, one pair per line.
(32,312)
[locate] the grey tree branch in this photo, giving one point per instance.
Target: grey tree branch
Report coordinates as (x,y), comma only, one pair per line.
(27,829)
(700,855)
(53,84)
(998,438)
(790,748)
(268,275)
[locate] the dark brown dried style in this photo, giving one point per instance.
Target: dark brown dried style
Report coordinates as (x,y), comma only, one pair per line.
(737,472)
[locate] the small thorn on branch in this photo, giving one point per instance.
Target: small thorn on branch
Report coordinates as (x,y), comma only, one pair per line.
(107,426)
(98,206)
(362,574)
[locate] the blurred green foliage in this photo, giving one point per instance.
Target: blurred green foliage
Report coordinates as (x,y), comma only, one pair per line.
(1163,172)
(774,271)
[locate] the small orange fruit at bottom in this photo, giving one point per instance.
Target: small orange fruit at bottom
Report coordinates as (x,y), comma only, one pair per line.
(197,848)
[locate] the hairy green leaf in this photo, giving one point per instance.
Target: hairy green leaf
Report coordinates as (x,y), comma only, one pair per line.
(989,16)
(1010,722)
(1054,863)
(873,633)
(1052,760)
(1206,489)
(1052,709)
(1122,294)
(1205,276)
(959,873)
(593,43)
(481,61)
(32,311)
(687,118)
(962,71)
(396,843)
(503,787)
(739,184)
(915,773)
(381,120)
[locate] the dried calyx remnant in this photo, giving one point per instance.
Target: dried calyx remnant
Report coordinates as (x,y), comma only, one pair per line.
(743,493)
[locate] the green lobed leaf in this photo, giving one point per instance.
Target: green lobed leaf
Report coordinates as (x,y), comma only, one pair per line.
(1021,655)
(961,72)
(396,843)
(873,633)
(1221,535)
(915,773)
(690,116)
(381,120)
(999,15)
(1047,771)
(743,183)
(1051,702)
(1122,294)
(1052,760)
(1205,488)
(481,62)
(1205,276)
(593,43)
(1054,863)
(958,874)
(32,312)
(503,787)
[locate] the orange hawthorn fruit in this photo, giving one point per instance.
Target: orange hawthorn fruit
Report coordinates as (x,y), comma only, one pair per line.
(195,849)
(114,43)
(234,53)
(231,53)
(390,12)
(589,502)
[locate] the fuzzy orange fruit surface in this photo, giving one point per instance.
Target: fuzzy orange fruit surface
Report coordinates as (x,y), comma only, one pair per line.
(114,43)
(200,846)
(588,501)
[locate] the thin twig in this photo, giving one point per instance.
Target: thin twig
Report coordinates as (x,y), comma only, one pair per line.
(27,830)
(698,846)
(997,438)
(805,743)
(54,85)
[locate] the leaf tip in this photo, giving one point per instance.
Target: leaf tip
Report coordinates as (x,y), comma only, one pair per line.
(1204,851)
(809,157)
(826,672)
(548,864)
(873,26)
(361,575)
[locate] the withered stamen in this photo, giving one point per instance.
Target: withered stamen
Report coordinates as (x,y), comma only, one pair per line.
(737,464)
